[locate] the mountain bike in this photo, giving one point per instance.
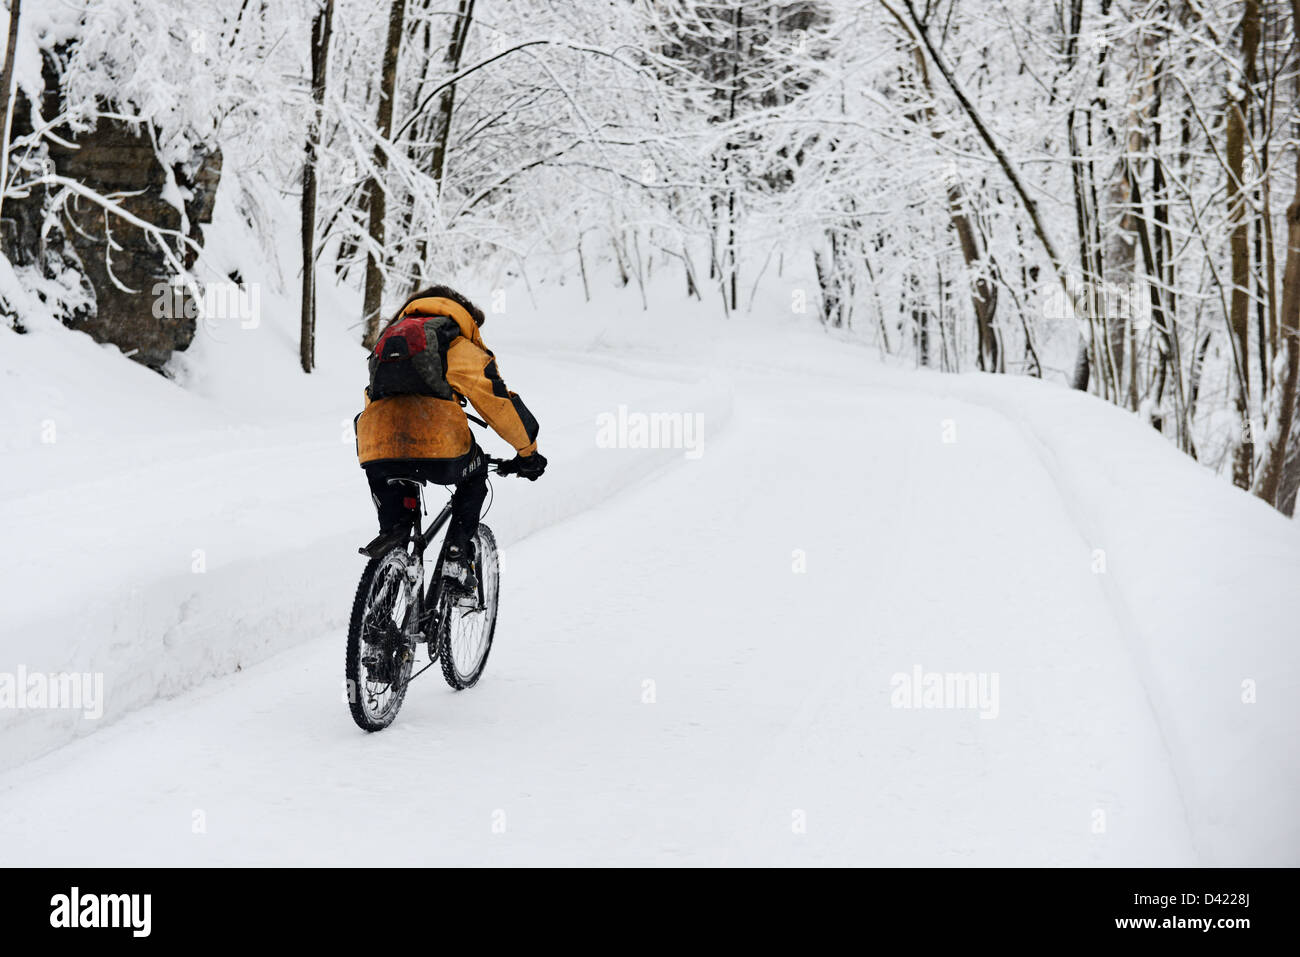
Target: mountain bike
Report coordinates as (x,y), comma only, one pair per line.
(395,612)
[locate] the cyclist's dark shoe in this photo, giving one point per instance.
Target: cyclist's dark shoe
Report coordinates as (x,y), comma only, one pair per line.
(459,573)
(387,540)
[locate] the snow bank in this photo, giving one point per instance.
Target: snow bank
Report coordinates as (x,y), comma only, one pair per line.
(160,561)
(1200,577)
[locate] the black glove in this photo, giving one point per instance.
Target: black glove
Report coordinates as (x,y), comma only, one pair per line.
(530,467)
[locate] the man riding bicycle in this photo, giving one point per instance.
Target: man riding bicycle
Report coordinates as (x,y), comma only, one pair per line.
(428,361)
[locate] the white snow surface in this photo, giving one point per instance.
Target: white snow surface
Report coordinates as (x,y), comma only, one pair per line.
(665,686)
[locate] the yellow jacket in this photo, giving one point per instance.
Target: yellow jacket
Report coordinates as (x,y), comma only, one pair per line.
(427,427)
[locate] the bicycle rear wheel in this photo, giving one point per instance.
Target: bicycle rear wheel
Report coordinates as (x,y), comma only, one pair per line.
(381,647)
(467,631)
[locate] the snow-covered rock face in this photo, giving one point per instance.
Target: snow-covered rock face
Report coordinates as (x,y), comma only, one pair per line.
(111,158)
(123,279)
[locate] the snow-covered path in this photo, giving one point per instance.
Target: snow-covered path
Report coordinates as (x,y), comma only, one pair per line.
(666,688)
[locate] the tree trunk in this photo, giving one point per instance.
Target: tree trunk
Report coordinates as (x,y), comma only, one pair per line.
(1085,213)
(7,85)
(828,278)
(447,100)
(1120,261)
(1239,310)
(1171,353)
(1279,474)
(1194,377)
(1121,251)
(582,269)
(692,288)
(1161,279)
(731,278)
(920,319)
(375,189)
(619,259)
(983,295)
(1280,438)
(321,27)
(1286,496)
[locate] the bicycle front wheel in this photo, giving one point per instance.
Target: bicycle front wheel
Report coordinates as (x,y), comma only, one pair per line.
(468,627)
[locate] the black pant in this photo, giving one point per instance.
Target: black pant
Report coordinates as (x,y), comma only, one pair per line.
(398,503)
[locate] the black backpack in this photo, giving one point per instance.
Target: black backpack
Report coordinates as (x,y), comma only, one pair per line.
(410,358)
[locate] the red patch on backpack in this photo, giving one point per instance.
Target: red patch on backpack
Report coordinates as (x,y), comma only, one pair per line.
(410,329)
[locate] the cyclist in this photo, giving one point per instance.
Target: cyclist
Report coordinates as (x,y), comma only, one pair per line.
(429,359)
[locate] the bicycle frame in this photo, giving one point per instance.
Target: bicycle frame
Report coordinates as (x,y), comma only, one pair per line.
(423,538)
(426,537)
